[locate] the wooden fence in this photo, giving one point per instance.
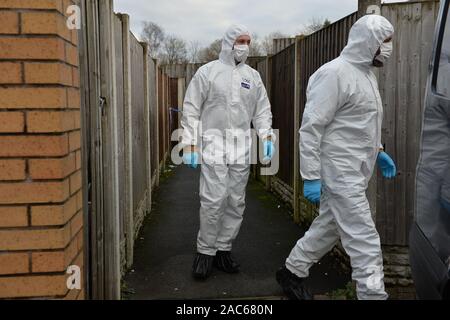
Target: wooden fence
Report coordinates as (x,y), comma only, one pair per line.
(163,107)
(282,43)
(125,98)
(282,95)
(402,85)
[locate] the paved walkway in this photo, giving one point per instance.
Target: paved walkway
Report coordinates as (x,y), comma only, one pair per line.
(166,245)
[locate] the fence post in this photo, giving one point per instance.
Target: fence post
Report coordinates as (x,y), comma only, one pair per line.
(163,117)
(129,218)
(110,190)
(147,124)
(371,7)
(86,137)
(96,260)
(166,119)
(296,181)
(181,92)
(158,97)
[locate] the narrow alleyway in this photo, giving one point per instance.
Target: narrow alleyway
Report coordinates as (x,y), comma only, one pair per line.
(165,248)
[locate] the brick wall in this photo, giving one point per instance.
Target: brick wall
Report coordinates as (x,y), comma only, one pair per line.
(41,219)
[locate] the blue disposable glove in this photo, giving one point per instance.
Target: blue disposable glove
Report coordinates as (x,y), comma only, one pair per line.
(312,190)
(191,159)
(269,150)
(386,165)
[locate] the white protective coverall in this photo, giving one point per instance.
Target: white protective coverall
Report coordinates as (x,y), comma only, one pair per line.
(340,139)
(222,100)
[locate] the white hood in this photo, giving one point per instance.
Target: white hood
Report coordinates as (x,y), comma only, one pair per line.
(234,32)
(366,37)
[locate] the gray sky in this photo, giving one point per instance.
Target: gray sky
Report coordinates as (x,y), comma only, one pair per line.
(207,20)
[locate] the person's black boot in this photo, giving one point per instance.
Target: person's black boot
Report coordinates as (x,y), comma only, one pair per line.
(202,266)
(224,261)
(292,285)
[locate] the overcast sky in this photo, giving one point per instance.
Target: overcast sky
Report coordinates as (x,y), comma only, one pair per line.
(207,20)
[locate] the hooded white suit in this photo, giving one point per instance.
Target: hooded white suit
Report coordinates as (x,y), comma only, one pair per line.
(224,98)
(340,139)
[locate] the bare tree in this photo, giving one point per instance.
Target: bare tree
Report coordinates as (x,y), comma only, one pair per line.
(194,51)
(256,49)
(315,24)
(154,35)
(174,50)
(211,52)
(267,42)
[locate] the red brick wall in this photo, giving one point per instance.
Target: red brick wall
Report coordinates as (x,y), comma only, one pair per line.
(41,219)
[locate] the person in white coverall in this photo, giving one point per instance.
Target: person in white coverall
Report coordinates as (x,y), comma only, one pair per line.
(222,100)
(340,143)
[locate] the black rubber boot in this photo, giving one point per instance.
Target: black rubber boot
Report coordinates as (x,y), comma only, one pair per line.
(292,285)
(202,267)
(224,261)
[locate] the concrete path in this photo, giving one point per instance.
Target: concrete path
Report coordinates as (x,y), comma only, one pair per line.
(166,245)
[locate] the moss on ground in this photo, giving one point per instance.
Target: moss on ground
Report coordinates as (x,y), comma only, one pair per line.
(347,293)
(167,173)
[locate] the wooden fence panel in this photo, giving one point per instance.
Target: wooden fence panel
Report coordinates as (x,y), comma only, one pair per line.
(191,69)
(120,124)
(173,106)
(281,44)
(166,115)
(174,70)
(152,72)
(160,115)
(138,123)
(124,111)
(253,61)
(402,87)
(282,99)
(110,228)
(90,93)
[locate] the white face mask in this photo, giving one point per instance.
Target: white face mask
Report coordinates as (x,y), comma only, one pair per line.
(241,52)
(386,52)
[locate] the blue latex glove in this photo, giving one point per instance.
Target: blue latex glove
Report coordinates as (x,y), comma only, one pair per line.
(269,150)
(312,190)
(386,165)
(191,159)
